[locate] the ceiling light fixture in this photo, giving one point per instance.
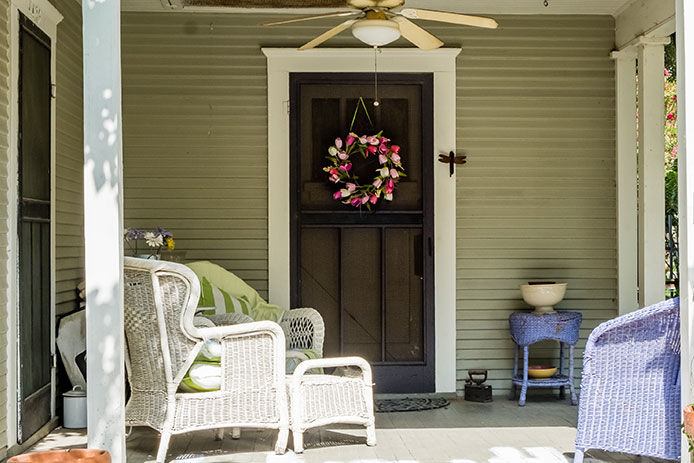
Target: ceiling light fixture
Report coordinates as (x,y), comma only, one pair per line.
(376,32)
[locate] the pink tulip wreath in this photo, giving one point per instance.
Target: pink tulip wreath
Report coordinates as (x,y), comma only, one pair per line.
(387,176)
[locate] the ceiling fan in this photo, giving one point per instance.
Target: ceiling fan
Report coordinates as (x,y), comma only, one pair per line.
(376,23)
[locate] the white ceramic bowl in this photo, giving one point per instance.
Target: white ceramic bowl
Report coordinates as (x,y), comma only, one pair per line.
(543,297)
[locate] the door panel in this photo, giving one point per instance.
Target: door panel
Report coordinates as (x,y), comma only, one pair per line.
(366,272)
(34,228)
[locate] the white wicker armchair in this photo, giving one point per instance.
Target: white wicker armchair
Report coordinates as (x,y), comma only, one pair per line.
(161,343)
(303,328)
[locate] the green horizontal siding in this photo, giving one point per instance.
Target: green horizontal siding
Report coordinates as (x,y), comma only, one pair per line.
(69,250)
(535,116)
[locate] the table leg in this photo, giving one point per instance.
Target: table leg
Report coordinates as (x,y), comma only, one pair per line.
(512,394)
(524,389)
(562,393)
(574,401)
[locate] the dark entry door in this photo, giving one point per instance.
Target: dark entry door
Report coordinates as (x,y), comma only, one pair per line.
(369,273)
(34,228)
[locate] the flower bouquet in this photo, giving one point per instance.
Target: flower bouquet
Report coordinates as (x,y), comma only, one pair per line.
(155,241)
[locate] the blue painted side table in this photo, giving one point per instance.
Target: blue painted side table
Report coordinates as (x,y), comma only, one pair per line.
(529,328)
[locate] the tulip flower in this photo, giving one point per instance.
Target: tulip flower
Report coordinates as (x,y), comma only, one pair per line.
(394,173)
(388,197)
(370,150)
(373,199)
(333,151)
(384,171)
(351,187)
(342,155)
(395,158)
(362,139)
(395,149)
(388,190)
(334,178)
(390,183)
(382,158)
(372,140)
(384,140)
(350,139)
(356,202)
(337,194)
(344,192)
(333,171)
(338,143)
(378,182)
(383,149)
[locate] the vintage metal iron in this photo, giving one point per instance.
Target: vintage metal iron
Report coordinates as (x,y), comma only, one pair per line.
(475,389)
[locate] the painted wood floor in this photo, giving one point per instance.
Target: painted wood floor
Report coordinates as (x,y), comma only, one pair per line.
(501,432)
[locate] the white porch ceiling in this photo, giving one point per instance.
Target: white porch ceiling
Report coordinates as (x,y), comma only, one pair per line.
(601,7)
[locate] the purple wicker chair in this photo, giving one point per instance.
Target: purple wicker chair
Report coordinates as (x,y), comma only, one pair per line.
(630,393)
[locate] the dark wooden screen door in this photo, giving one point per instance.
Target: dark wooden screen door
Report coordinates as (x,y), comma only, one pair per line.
(34,228)
(369,273)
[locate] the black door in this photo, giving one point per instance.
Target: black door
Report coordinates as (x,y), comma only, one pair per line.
(369,273)
(34,228)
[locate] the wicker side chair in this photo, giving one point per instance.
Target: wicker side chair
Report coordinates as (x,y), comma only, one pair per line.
(630,393)
(161,343)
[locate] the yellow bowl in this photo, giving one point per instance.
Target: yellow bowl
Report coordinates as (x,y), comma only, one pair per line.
(541,371)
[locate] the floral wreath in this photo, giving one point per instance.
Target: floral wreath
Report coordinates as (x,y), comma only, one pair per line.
(340,169)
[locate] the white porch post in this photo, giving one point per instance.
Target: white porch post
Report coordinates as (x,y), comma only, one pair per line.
(627,184)
(651,171)
(685,100)
(103,226)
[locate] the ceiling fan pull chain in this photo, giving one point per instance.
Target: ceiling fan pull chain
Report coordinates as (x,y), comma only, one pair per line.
(376,52)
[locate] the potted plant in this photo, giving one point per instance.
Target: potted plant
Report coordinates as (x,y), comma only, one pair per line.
(688,425)
(64,456)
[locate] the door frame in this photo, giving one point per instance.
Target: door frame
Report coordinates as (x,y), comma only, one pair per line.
(442,64)
(47,18)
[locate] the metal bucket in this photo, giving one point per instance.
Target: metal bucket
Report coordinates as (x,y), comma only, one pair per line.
(75,408)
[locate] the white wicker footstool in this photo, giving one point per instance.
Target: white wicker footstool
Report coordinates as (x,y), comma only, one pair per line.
(319,399)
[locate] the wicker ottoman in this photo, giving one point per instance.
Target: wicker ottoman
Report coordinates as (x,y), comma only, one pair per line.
(320,399)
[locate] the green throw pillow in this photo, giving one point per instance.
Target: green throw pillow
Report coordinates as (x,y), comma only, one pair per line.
(220,301)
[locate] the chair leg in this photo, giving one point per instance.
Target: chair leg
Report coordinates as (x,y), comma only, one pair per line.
(371,435)
(298,440)
(578,456)
(219,434)
(163,446)
(282,438)
(235,433)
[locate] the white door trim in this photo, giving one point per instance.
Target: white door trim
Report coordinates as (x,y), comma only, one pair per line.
(47,18)
(280,63)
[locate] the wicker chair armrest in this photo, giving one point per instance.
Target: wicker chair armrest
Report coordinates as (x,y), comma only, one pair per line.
(226,331)
(626,321)
(334,362)
(304,328)
(232,318)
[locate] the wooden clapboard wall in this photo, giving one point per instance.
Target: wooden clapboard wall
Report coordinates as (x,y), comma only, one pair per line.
(535,117)
(69,251)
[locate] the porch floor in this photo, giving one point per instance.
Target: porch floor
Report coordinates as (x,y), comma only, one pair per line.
(501,432)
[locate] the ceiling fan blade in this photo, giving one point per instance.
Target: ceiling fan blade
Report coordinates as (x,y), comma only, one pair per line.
(416,34)
(328,34)
(310,18)
(444,16)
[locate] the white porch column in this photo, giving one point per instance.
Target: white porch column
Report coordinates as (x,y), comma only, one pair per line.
(103,226)
(651,171)
(685,131)
(627,184)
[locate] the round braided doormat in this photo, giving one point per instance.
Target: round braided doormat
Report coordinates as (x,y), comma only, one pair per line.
(409,404)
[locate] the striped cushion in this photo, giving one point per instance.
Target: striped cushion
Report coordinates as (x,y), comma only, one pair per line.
(223,302)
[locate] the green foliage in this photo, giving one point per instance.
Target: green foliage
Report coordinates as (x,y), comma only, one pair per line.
(671,57)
